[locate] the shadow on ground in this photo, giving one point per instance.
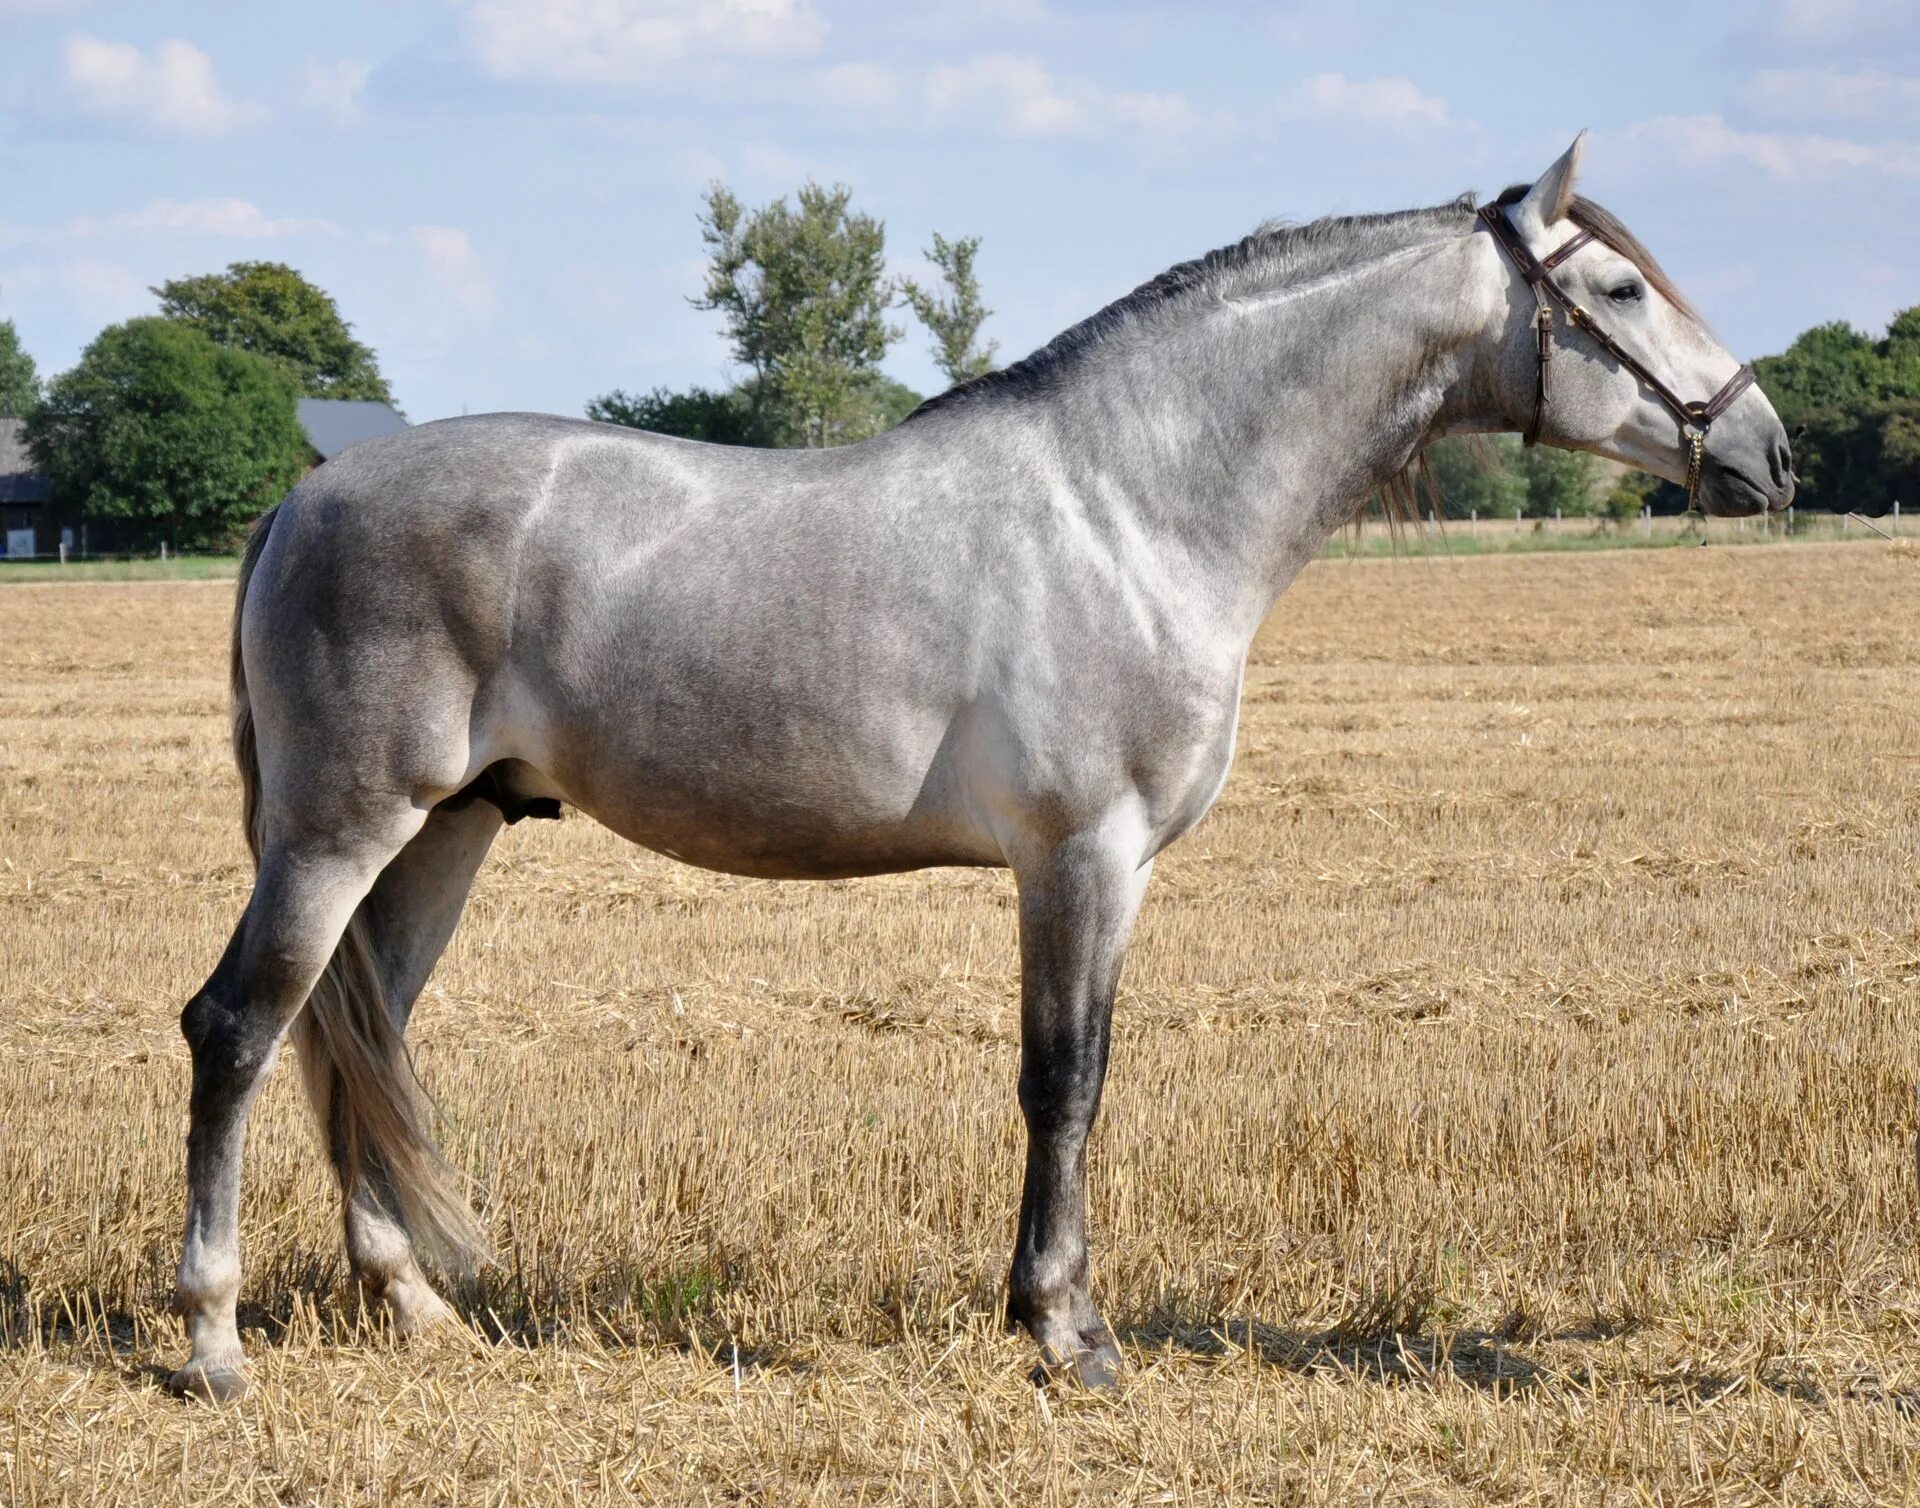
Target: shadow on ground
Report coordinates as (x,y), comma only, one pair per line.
(93,1331)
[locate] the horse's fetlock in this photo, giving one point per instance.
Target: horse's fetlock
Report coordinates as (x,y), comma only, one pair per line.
(1043,1287)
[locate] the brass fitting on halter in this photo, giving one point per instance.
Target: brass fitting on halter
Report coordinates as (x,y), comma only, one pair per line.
(1696,441)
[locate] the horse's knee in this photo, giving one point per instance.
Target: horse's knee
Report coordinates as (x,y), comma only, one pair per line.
(231,1053)
(212,1028)
(198,1023)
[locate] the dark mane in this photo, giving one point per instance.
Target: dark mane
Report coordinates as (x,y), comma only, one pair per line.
(1606,227)
(1274,256)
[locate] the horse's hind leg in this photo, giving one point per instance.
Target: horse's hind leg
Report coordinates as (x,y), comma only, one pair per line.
(303,898)
(1077,905)
(410,914)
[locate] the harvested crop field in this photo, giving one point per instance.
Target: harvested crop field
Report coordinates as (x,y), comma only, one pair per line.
(1512,1099)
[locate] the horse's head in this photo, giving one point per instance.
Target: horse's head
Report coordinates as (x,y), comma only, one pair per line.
(1626,369)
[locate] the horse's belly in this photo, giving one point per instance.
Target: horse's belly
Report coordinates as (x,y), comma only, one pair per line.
(804,823)
(774,846)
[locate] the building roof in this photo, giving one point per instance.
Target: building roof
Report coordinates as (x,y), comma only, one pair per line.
(19,482)
(332,424)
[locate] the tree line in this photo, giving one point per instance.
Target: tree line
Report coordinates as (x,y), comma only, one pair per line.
(181,425)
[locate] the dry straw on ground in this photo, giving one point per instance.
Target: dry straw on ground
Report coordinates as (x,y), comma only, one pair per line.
(1512,1097)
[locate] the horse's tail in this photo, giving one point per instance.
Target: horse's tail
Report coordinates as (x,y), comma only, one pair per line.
(352,1056)
(246,752)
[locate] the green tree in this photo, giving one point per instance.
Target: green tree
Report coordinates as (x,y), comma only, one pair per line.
(19,379)
(1903,339)
(954,317)
(804,295)
(1827,365)
(1860,456)
(1477,474)
(271,310)
(875,404)
(1850,403)
(722,418)
(1631,491)
(733,417)
(184,440)
(1558,481)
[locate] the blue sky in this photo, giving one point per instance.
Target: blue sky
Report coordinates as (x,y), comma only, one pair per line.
(501,193)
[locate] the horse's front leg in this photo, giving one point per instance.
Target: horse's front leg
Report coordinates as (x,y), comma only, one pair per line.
(1077,904)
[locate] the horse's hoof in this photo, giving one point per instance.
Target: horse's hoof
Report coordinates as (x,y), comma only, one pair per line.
(208,1384)
(1098,1369)
(419,1313)
(1095,1368)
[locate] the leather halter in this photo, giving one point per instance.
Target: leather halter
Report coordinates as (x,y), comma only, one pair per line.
(1695,418)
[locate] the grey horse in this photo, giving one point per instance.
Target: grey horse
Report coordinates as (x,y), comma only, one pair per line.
(1010,631)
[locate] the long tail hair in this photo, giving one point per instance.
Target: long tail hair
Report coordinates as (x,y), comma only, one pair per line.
(359,1079)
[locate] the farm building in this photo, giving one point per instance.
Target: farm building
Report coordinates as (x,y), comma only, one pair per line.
(28,525)
(332,424)
(24,493)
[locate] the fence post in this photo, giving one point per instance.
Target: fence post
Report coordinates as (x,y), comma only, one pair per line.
(163,558)
(63,552)
(1473,522)
(1789,520)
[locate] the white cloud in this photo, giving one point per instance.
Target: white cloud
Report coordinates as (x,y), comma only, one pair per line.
(1834,21)
(1167,114)
(868,86)
(766,160)
(104,292)
(221,219)
(174,90)
(1800,94)
(1017,95)
(334,88)
(625,41)
(696,167)
(460,291)
(1708,139)
(238,219)
(1395,101)
(1014,94)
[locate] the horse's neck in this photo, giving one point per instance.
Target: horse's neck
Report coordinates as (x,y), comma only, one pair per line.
(1244,440)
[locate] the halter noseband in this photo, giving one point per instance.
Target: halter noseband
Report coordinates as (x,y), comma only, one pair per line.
(1695,418)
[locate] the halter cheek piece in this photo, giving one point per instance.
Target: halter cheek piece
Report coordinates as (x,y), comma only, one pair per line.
(1695,418)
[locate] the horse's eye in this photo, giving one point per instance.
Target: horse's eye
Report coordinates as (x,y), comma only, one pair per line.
(1626,293)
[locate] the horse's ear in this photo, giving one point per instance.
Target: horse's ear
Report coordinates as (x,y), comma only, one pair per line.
(1548,201)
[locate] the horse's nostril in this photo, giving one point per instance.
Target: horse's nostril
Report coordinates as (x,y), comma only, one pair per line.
(1780,463)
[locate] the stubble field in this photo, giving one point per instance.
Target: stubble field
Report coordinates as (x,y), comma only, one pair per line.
(1512,1099)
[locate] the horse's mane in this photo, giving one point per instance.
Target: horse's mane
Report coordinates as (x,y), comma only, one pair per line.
(1275,256)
